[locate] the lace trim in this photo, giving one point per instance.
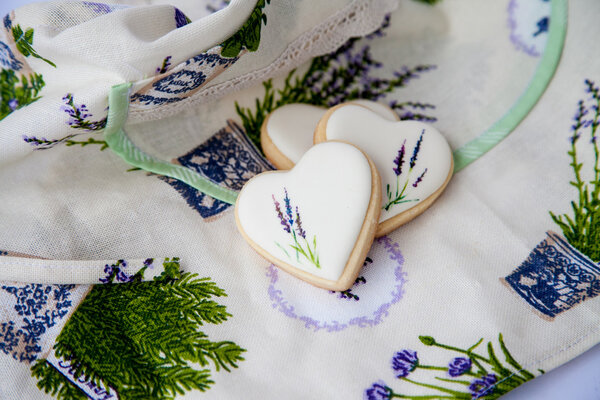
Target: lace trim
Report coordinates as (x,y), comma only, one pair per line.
(357,19)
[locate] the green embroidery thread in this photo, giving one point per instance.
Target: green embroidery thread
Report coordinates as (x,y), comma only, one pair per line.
(248,35)
(18,92)
(142,338)
(582,229)
(330,80)
(471,375)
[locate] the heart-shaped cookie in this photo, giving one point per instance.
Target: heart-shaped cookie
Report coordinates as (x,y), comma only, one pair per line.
(413,159)
(287,133)
(318,220)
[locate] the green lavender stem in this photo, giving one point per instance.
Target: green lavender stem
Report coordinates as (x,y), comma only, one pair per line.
(312,253)
(399,197)
(582,229)
(85,143)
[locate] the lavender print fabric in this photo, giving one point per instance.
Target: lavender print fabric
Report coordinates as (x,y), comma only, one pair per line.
(528,21)
(380,285)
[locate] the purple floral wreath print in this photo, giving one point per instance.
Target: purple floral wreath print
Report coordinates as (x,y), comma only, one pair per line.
(380,285)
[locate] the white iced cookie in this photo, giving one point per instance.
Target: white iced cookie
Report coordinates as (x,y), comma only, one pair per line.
(413,159)
(318,220)
(287,133)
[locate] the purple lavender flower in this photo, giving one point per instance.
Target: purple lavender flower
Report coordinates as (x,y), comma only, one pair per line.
(13,104)
(404,362)
(115,271)
(420,178)
(413,159)
(299,229)
(148,262)
(288,207)
(165,65)
(458,366)
(378,391)
(180,18)
(483,386)
(78,114)
(100,8)
(286,226)
(399,160)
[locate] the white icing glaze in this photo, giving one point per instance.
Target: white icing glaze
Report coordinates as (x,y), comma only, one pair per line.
(382,140)
(378,108)
(291,126)
(331,186)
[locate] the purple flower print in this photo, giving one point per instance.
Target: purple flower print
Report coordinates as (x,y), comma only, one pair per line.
(301,245)
(399,160)
(483,386)
(78,115)
(351,72)
(13,104)
(404,362)
(115,272)
(458,366)
(378,391)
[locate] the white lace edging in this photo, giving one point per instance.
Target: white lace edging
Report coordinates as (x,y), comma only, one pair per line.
(357,19)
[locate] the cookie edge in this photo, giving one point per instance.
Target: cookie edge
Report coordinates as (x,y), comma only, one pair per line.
(363,243)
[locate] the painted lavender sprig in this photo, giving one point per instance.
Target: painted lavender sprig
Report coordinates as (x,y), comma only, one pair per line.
(582,228)
(482,376)
(399,196)
(292,224)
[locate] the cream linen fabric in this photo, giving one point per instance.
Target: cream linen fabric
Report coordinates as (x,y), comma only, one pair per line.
(470,268)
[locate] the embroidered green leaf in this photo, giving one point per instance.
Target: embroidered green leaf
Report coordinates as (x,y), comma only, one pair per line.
(17,93)
(248,36)
(143,339)
(24,43)
(582,228)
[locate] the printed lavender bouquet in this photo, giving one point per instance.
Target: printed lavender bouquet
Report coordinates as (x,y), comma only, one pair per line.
(468,375)
(582,229)
(292,224)
(399,196)
(347,74)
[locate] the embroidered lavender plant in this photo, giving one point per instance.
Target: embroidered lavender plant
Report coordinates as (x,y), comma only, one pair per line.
(349,73)
(582,229)
(347,294)
(292,224)
(399,196)
(472,375)
(79,118)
